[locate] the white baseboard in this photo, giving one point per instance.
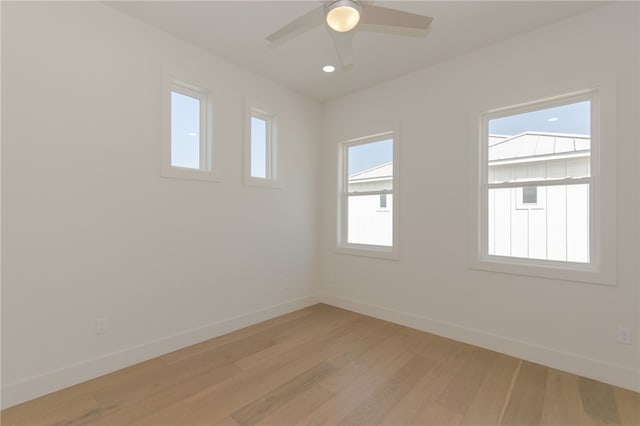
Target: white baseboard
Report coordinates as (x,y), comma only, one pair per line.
(570,362)
(33,387)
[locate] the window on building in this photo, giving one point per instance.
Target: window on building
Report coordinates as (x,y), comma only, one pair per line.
(187,147)
(367,215)
(537,192)
(383,201)
(260,147)
(530,195)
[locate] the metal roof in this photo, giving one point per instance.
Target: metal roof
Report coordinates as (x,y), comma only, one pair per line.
(503,147)
(532,144)
(379,172)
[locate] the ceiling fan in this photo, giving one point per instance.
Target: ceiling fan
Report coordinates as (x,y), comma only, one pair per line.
(342,17)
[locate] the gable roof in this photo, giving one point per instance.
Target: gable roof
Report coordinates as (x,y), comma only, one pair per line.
(379,172)
(532,144)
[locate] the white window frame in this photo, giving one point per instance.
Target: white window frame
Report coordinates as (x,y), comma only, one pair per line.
(342,245)
(206,169)
(272,179)
(601,268)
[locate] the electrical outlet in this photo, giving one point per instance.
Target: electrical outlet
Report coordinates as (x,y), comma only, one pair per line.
(624,335)
(102,325)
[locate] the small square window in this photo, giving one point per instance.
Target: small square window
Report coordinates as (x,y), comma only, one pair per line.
(383,201)
(530,195)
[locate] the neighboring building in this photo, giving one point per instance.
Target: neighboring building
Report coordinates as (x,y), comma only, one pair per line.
(540,222)
(370,216)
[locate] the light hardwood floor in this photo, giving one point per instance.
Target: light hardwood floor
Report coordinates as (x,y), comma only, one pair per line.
(327,366)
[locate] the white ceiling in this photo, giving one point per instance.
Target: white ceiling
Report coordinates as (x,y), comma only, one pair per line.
(236,30)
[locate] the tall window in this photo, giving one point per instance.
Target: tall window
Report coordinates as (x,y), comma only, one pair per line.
(537,191)
(187,150)
(368,219)
(186,132)
(260,148)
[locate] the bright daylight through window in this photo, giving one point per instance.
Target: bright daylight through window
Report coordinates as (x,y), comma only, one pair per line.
(262,147)
(538,186)
(258,147)
(368,193)
(185,131)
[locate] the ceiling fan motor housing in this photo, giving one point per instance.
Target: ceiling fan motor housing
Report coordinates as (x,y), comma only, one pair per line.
(343,15)
(337,3)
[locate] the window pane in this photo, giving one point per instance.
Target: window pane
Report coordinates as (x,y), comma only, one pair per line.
(551,143)
(185,131)
(258,147)
(555,228)
(530,195)
(368,223)
(371,166)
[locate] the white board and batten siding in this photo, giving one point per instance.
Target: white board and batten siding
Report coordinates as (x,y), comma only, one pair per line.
(555,226)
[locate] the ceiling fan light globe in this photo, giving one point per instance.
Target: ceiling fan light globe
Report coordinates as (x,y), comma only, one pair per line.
(343,18)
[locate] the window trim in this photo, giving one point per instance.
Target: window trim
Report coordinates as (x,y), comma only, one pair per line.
(206,170)
(272,179)
(602,266)
(367,250)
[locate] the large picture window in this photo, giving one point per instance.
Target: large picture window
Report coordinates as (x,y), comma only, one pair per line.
(537,185)
(368,214)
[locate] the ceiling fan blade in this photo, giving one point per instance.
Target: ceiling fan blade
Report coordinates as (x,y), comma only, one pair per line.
(376,15)
(344,46)
(303,23)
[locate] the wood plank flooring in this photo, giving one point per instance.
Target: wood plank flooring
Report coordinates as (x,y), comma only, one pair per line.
(327,366)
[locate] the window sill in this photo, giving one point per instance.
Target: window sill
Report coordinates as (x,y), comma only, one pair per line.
(377,252)
(564,271)
(264,183)
(185,173)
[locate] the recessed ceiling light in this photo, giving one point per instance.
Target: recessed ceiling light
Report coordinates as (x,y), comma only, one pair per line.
(328,68)
(552,119)
(192,134)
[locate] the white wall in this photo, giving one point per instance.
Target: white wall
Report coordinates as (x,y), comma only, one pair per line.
(568,325)
(90,229)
